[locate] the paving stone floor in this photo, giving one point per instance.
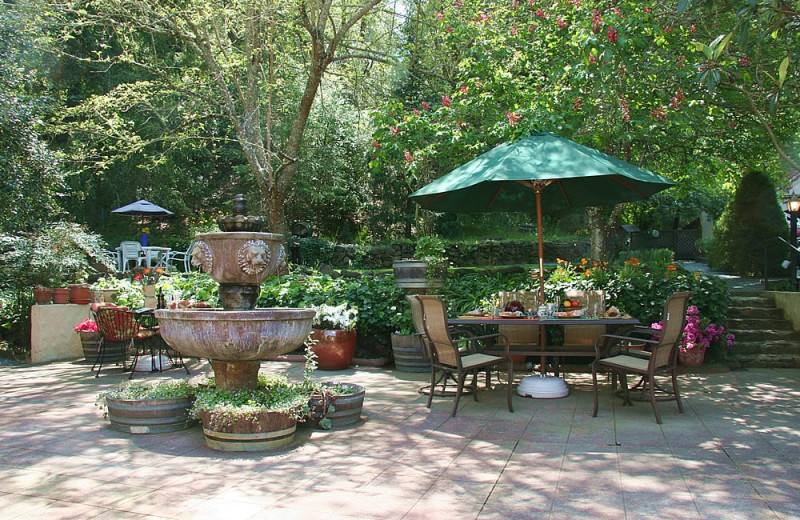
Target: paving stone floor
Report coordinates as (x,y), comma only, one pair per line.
(734,454)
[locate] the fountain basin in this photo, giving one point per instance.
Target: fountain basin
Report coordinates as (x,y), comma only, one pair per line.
(244,258)
(235,336)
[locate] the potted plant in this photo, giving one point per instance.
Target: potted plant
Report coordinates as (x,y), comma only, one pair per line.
(334,336)
(142,407)
(331,404)
(699,334)
(251,420)
(406,343)
(427,269)
(90,338)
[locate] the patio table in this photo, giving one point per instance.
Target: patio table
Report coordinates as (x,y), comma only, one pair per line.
(156,256)
(612,325)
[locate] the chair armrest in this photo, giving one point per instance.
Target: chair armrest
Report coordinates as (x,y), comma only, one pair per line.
(604,344)
(502,338)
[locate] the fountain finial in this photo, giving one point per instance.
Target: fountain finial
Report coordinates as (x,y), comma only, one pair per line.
(240,221)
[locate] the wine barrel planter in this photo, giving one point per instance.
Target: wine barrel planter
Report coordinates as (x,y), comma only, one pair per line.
(269,431)
(413,274)
(347,407)
(408,355)
(149,415)
(342,409)
(90,343)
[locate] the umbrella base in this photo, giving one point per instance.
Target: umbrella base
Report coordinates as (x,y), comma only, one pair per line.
(542,387)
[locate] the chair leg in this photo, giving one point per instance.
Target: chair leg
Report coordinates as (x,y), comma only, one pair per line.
(98,358)
(462,377)
(653,402)
(594,388)
(676,391)
(474,385)
(433,385)
(510,385)
(623,380)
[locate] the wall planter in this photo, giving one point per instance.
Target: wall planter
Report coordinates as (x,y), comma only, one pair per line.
(79,294)
(43,296)
(60,295)
(334,348)
(413,274)
(269,430)
(149,415)
(109,295)
(408,354)
(90,343)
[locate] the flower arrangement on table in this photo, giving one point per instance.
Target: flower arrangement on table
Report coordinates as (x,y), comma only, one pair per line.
(335,317)
(148,275)
(700,333)
(87,325)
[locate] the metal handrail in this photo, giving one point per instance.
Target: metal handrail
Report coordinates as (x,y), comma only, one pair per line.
(793,265)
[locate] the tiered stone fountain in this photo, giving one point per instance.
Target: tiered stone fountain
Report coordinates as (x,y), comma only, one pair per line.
(237,337)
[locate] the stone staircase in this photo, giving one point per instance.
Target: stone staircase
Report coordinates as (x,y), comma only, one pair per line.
(763,337)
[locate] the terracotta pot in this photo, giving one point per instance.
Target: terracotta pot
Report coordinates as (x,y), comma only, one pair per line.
(334,348)
(43,295)
(60,295)
(692,358)
(79,293)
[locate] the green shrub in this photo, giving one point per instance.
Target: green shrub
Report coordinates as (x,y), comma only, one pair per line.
(746,232)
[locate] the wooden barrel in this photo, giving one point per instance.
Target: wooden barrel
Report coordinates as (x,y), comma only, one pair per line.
(347,407)
(270,431)
(90,343)
(149,415)
(407,350)
(413,274)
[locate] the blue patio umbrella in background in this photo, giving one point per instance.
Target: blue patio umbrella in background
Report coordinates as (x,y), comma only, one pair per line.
(542,172)
(142,209)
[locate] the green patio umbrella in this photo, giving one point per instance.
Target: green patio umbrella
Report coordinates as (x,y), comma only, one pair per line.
(542,172)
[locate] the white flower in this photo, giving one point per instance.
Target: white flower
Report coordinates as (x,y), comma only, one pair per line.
(335,317)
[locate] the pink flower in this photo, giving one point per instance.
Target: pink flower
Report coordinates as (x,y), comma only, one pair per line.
(513,118)
(450,29)
(439,15)
(376,144)
(612,35)
(514,30)
(395,131)
(592,59)
(562,24)
(416,112)
(540,13)
(86,325)
(409,157)
(445,101)
(425,105)
(457,3)
(464,89)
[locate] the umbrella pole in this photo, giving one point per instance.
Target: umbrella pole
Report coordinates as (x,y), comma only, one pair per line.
(541,244)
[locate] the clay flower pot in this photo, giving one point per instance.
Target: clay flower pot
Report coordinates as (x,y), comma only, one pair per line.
(61,295)
(334,348)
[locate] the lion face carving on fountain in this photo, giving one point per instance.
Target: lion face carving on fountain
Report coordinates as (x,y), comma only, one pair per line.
(202,256)
(254,256)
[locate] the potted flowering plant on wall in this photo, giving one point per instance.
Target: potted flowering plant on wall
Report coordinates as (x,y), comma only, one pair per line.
(427,269)
(334,335)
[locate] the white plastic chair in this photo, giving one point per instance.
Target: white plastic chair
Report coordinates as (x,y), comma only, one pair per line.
(181,257)
(131,251)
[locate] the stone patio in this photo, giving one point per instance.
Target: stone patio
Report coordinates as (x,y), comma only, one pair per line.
(734,454)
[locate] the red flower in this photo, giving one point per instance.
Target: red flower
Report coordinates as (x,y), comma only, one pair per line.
(514,30)
(439,15)
(446,101)
(416,112)
(562,24)
(376,144)
(668,29)
(425,105)
(137,277)
(450,29)
(540,13)
(612,35)
(395,131)
(409,157)
(464,89)
(592,59)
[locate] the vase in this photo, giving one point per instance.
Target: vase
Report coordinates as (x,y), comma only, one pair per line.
(693,357)
(90,343)
(149,292)
(334,348)
(42,295)
(408,354)
(150,415)
(109,295)
(61,295)
(268,431)
(79,294)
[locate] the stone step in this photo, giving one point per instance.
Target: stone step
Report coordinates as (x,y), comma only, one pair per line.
(764,360)
(751,301)
(757,334)
(744,324)
(755,312)
(772,346)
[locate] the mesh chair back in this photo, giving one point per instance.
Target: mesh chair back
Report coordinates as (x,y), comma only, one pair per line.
(419,324)
(443,351)
(116,324)
(674,322)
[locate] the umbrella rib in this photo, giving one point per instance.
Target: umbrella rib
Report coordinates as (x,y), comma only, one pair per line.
(620,180)
(564,193)
(496,194)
